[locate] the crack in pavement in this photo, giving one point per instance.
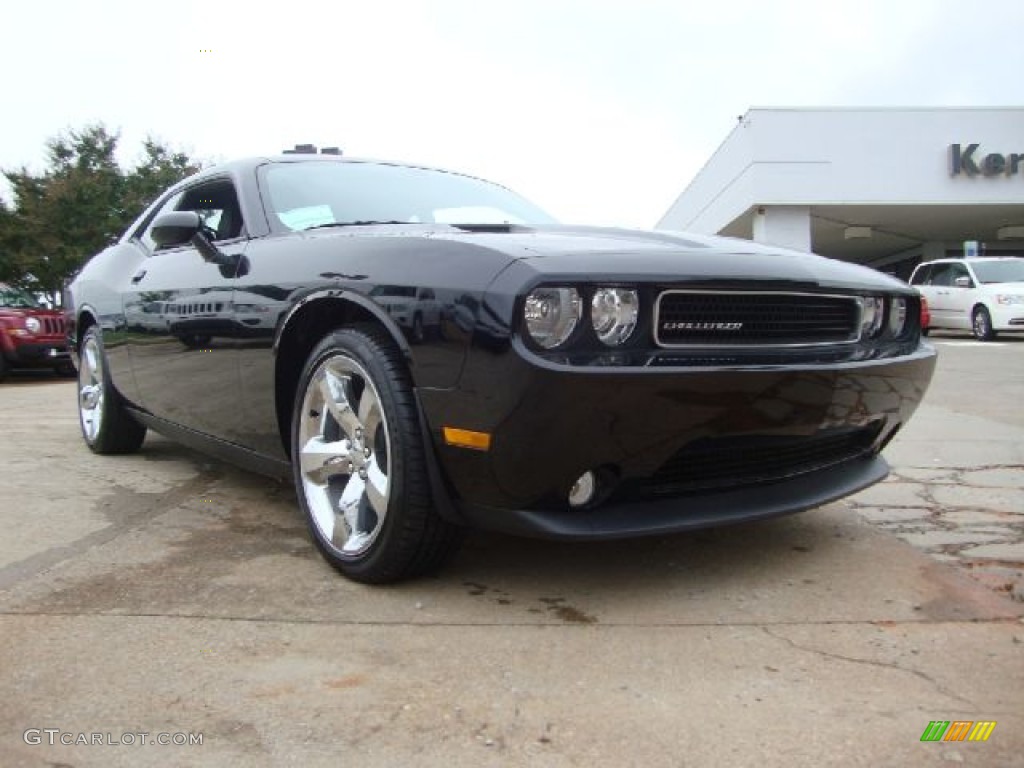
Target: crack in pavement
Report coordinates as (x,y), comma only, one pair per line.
(871,663)
(949,516)
(122,519)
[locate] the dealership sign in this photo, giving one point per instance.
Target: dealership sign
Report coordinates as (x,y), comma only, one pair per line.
(963,159)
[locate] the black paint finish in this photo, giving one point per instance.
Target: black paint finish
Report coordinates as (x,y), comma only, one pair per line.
(205,341)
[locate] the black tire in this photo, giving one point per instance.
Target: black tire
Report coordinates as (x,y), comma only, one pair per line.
(925,331)
(107,427)
(3,366)
(981,324)
(66,369)
(367,501)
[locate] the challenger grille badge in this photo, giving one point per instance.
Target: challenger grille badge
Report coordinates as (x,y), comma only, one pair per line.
(669,326)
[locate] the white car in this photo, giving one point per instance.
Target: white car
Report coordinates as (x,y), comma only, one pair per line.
(984,295)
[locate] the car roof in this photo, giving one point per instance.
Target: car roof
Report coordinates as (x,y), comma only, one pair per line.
(247,164)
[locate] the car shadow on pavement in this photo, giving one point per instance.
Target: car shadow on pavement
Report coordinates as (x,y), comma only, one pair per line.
(228,544)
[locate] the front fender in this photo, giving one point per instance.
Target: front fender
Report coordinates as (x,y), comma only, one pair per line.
(340,294)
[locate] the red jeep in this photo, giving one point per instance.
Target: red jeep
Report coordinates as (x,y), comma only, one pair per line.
(31,336)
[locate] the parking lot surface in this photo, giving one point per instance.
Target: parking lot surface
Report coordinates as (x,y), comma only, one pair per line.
(168,594)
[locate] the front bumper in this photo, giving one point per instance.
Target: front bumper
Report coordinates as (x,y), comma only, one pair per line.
(550,424)
(1008,317)
(646,518)
(38,354)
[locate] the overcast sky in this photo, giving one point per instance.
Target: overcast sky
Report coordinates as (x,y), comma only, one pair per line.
(601,112)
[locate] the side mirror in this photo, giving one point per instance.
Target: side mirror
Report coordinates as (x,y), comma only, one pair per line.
(963,282)
(175,228)
(184,228)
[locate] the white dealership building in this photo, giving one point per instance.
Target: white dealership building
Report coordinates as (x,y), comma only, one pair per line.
(886,187)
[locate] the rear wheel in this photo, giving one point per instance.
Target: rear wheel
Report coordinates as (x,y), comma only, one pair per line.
(360,463)
(981,324)
(106,425)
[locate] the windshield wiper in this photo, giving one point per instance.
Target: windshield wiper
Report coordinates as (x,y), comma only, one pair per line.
(367,223)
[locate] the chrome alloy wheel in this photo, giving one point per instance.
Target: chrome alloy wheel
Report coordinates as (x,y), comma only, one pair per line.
(343,448)
(90,390)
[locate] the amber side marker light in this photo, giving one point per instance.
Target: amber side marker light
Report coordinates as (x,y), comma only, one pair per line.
(466,438)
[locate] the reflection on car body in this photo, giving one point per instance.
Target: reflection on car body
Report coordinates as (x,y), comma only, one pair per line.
(422,351)
(416,310)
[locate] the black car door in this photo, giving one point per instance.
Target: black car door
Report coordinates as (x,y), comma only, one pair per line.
(180,319)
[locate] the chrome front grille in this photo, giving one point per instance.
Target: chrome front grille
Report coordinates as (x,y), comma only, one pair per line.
(684,318)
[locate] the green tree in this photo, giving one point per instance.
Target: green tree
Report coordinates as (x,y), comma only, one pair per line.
(82,202)
(160,168)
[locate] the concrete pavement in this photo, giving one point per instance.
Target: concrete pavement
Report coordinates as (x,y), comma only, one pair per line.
(166,593)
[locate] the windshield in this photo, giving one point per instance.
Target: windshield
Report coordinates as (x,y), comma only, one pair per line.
(315,194)
(14,297)
(1008,271)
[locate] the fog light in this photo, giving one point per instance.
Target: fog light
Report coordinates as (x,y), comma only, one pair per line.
(583,490)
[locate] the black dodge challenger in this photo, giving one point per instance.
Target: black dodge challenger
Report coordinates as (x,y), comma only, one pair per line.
(422,351)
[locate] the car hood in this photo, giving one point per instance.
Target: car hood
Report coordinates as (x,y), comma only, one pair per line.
(672,257)
(29,312)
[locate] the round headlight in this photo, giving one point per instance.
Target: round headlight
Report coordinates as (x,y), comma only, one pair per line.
(32,325)
(613,312)
(872,316)
(897,316)
(552,314)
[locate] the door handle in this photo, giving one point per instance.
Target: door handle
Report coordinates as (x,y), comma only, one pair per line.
(138,276)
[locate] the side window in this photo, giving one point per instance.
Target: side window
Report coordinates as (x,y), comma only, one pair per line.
(216,202)
(920,277)
(942,275)
(959,270)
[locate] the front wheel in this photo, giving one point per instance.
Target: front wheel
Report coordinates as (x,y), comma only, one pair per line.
(981,324)
(106,425)
(360,463)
